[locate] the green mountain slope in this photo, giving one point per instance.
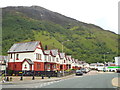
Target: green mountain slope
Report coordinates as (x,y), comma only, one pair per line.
(87,42)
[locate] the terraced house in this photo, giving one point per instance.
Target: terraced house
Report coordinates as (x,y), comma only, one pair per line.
(30,56)
(52,60)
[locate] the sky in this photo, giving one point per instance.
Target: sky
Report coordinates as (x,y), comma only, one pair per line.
(103,13)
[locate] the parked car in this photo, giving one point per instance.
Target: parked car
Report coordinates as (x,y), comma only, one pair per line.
(84,70)
(118,70)
(79,72)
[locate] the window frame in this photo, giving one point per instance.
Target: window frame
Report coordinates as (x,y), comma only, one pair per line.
(17,56)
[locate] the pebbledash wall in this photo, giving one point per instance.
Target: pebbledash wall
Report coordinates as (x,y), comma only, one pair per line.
(18,63)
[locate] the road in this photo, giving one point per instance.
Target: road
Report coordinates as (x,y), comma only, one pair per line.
(86,81)
(92,81)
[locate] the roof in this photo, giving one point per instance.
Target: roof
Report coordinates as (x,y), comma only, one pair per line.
(54,52)
(76,60)
(62,55)
(47,52)
(69,57)
(93,64)
(3,59)
(100,64)
(24,47)
(29,61)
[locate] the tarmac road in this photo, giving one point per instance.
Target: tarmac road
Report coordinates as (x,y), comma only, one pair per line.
(88,81)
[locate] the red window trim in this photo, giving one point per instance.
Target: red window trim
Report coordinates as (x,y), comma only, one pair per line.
(17,58)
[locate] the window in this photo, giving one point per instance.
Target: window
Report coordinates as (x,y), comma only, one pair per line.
(45,57)
(17,56)
(53,59)
(48,66)
(57,59)
(49,58)
(38,56)
(54,66)
(25,66)
(11,56)
(38,66)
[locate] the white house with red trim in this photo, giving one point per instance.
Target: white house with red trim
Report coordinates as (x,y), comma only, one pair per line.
(73,63)
(56,56)
(26,56)
(69,61)
(52,60)
(63,61)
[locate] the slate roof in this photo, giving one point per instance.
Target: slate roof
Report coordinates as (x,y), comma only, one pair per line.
(62,55)
(80,62)
(23,47)
(54,52)
(47,52)
(93,64)
(68,57)
(76,60)
(29,61)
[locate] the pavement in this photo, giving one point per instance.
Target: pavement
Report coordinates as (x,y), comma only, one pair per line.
(26,79)
(116,82)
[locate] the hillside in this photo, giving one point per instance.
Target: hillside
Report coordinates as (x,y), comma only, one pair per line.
(88,42)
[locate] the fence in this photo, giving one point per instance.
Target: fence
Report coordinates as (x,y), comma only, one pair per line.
(40,73)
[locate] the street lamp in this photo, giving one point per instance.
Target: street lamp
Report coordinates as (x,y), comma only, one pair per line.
(62,52)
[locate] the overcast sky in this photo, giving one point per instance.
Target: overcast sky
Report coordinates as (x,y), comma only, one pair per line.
(103,13)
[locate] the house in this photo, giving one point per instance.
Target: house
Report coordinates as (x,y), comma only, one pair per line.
(55,54)
(93,66)
(73,63)
(3,63)
(47,59)
(110,64)
(80,64)
(117,61)
(63,62)
(77,65)
(69,61)
(26,56)
(51,60)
